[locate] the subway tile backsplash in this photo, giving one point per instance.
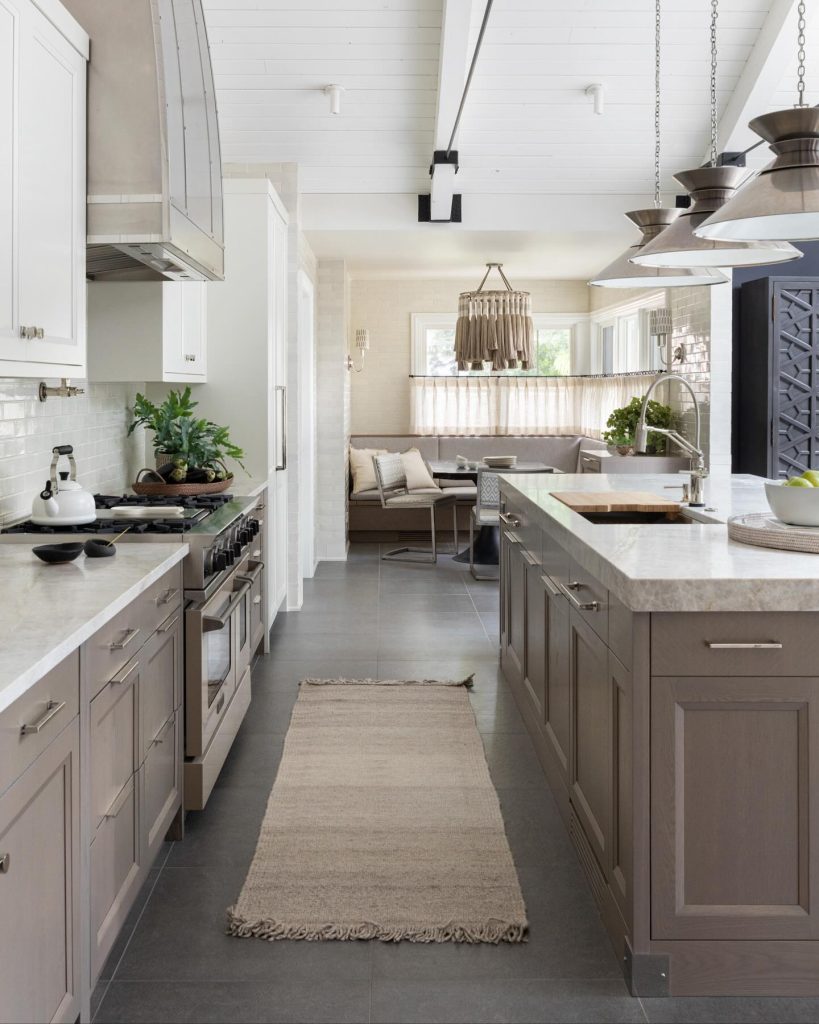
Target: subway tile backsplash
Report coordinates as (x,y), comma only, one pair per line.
(95,423)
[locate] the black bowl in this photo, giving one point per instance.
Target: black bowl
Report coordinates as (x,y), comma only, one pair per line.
(54,553)
(99,549)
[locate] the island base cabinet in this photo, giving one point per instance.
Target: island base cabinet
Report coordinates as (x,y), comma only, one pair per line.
(513,609)
(160,782)
(39,887)
(735,808)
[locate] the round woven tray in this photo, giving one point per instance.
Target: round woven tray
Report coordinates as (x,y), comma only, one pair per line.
(766,531)
(160,488)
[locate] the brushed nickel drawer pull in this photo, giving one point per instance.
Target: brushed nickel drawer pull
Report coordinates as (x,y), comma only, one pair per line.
(759,645)
(529,558)
(551,586)
(160,736)
(120,677)
(52,708)
(581,606)
(166,596)
(575,585)
(509,520)
(167,625)
(119,802)
(5,863)
(129,635)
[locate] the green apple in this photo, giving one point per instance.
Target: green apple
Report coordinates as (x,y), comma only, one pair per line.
(798,481)
(812,476)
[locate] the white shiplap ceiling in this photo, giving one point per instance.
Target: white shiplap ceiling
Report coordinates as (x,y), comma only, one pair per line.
(528,128)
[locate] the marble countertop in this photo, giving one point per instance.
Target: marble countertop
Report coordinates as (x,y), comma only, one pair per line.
(47,611)
(676,567)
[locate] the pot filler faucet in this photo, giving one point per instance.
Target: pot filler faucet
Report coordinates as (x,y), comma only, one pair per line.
(698,470)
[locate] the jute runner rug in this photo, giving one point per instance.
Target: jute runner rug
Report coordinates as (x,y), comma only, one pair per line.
(383,823)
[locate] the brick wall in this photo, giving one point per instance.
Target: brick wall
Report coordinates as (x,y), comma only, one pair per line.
(95,423)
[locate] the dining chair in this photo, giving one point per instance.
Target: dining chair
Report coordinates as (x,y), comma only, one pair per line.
(485,512)
(394,493)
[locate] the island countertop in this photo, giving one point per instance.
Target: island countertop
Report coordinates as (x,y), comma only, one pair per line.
(48,611)
(674,567)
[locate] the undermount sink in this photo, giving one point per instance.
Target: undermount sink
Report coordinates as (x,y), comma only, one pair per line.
(637,518)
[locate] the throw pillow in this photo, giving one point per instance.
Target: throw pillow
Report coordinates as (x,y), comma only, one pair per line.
(362,468)
(416,470)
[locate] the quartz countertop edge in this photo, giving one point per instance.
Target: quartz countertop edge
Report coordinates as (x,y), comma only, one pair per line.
(48,611)
(675,567)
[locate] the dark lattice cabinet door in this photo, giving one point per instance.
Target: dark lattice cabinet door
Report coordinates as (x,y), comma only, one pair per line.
(777,417)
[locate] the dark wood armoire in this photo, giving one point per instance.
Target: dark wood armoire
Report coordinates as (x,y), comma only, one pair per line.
(776,423)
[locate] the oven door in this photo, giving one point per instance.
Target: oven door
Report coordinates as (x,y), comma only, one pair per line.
(253,575)
(214,659)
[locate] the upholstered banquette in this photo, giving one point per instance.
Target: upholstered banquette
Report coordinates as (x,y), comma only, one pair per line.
(366,516)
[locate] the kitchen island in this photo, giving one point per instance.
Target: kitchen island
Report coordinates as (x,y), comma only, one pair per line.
(669,677)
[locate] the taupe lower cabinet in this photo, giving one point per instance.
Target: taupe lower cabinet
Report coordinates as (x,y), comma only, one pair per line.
(684,763)
(90,782)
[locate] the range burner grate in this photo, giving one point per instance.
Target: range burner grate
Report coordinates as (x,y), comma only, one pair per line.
(107,526)
(197,501)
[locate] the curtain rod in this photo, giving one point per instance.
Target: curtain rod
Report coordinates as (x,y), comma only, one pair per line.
(534,376)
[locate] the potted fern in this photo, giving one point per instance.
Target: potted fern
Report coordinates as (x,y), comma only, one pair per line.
(190,451)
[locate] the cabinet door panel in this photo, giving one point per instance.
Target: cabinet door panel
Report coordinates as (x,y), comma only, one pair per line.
(113,738)
(619,868)
(52,194)
(557,710)
(10,36)
(734,808)
(160,786)
(39,892)
(513,645)
(590,775)
(536,636)
(160,682)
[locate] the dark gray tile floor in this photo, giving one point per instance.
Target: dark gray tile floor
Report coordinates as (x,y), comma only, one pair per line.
(366,618)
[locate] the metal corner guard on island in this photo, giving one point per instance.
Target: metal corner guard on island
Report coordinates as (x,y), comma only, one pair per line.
(667,676)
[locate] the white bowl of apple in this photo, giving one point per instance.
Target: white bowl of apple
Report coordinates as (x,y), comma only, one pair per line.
(795,501)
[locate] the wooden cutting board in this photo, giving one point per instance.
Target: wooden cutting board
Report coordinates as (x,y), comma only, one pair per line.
(615,501)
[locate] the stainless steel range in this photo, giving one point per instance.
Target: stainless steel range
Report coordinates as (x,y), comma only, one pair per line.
(223,577)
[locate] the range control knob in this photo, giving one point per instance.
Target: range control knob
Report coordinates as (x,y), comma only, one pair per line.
(244,536)
(254,527)
(229,557)
(236,548)
(219,561)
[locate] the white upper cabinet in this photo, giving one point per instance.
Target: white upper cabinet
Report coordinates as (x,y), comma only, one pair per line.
(43,55)
(147,331)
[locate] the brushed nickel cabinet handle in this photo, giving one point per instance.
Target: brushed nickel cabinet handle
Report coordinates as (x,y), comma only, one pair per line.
(39,333)
(168,624)
(120,677)
(581,606)
(529,558)
(119,802)
(758,645)
(160,736)
(52,708)
(5,863)
(166,596)
(509,520)
(128,636)
(551,586)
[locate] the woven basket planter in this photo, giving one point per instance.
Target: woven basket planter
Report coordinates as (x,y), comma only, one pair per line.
(160,488)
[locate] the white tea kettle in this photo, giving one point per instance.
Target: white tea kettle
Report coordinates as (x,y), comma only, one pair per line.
(63,502)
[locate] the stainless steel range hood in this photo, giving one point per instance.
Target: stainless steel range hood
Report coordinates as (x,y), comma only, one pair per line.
(154,166)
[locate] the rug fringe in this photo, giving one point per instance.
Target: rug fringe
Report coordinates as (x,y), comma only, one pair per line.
(468,682)
(494,932)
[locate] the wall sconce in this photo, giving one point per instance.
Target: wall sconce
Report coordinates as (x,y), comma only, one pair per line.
(661,327)
(362,343)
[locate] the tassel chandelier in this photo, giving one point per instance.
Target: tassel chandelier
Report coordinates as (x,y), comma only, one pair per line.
(495,327)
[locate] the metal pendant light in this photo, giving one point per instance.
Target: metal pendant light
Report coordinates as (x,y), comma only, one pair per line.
(783,200)
(710,189)
(623,273)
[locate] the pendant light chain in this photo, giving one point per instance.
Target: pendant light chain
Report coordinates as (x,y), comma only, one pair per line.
(800,85)
(657,37)
(714,13)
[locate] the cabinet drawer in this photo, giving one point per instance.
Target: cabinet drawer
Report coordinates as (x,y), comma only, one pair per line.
(160,680)
(159,784)
(44,711)
(115,873)
(113,737)
(589,598)
(120,639)
(589,464)
(521,522)
(734,644)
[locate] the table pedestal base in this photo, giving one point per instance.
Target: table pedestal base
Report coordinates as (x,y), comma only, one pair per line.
(485,548)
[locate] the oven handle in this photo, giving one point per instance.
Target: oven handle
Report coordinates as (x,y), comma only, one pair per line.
(213,622)
(253,575)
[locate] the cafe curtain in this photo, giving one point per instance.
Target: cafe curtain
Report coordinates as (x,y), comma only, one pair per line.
(520,405)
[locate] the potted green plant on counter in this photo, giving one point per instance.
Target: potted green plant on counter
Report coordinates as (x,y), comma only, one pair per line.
(190,451)
(622,425)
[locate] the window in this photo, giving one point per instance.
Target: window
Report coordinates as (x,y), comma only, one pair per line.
(433,346)
(621,342)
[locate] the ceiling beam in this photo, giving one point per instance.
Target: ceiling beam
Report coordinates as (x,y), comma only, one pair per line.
(769,60)
(453,65)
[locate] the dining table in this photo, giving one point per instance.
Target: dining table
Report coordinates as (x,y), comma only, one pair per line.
(486,546)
